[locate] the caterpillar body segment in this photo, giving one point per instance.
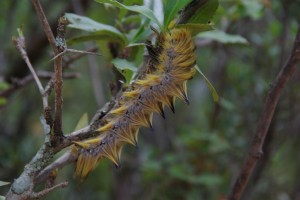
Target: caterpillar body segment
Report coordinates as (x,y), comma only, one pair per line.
(172,64)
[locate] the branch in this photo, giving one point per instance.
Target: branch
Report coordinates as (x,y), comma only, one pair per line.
(255,151)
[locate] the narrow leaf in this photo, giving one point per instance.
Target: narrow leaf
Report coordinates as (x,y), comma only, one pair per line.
(135,8)
(210,86)
(223,37)
(83,122)
(135,44)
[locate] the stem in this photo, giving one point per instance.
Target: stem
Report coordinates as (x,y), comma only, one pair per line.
(58,81)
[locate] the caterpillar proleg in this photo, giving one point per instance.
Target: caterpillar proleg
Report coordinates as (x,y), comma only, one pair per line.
(172,62)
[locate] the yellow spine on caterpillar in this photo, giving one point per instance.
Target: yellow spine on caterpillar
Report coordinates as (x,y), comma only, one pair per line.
(174,65)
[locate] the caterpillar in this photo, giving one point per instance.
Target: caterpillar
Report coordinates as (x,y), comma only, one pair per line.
(172,61)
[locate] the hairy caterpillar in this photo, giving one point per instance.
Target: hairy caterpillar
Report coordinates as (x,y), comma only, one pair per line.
(171,65)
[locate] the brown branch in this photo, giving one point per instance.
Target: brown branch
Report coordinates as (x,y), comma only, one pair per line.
(42,17)
(271,102)
(58,81)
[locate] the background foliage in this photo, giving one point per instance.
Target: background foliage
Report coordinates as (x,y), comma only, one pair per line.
(194,154)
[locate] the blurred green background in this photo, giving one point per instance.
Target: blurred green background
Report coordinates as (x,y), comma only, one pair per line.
(195,153)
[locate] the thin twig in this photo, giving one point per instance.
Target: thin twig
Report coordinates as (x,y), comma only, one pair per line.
(19,43)
(271,102)
(44,192)
(75,51)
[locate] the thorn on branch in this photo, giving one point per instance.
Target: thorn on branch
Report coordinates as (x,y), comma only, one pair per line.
(71,59)
(75,51)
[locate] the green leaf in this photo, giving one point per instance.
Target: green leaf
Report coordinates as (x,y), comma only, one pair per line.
(125,67)
(83,122)
(2,183)
(101,35)
(205,13)
(171,9)
(210,86)
(135,8)
(196,28)
(2,197)
(87,24)
(223,37)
